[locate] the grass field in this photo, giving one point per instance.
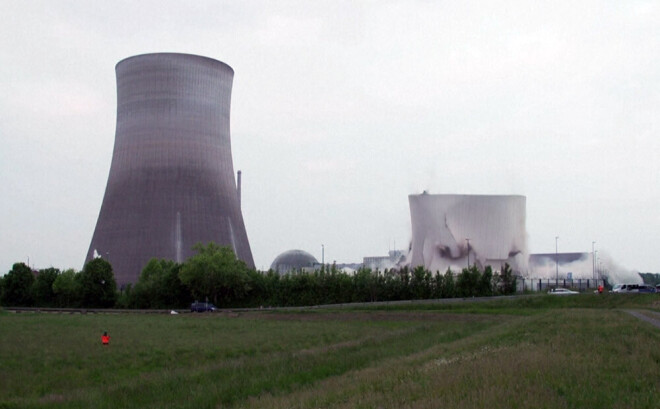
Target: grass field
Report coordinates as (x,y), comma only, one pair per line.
(531,352)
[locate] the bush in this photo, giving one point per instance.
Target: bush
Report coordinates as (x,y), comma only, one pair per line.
(17,286)
(97,284)
(42,288)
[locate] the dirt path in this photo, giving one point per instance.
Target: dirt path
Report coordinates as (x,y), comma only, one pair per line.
(651,317)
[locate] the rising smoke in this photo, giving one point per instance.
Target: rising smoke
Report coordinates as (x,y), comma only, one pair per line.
(579,266)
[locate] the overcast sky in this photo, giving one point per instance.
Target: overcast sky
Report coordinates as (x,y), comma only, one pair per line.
(341,109)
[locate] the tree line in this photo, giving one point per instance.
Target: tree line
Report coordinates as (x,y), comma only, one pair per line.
(215,275)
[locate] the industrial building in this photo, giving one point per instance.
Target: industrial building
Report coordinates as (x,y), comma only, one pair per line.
(393,259)
(454,231)
(171,182)
(294,261)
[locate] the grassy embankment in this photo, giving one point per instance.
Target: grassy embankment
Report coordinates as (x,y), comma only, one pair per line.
(554,352)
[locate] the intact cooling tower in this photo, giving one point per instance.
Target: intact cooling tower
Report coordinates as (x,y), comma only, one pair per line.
(171,181)
(443,226)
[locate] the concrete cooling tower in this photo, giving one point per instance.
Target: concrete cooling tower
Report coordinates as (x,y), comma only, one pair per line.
(171,181)
(443,225)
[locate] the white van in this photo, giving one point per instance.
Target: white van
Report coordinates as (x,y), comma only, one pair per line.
(633,288)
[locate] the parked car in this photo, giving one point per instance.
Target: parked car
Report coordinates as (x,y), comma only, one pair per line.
(562,291)
(202,307)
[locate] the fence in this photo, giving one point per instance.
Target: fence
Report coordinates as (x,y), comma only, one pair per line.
(545,284)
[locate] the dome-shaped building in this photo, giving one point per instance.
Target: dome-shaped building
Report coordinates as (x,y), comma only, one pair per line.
(294,260)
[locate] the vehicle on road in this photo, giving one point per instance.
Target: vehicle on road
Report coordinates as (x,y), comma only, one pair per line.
(619,288)
(633,288)
(202,307)
(562,291)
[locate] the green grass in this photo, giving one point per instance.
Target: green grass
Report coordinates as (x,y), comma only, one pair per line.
(527,305)
(572,352)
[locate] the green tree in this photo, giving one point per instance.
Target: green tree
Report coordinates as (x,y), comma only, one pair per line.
(337,287)
(359,287)
(436,285)
(97,284)
(272,289)
(448,285)
(507,280)
(258,293)
(485,285)
(391,286)
(420,283)
(650,278)
(468,282)
(215,273)
(66,289)
(42,288)
(17,287)
(303,288)
(125,298)
(159,286)
(404,283)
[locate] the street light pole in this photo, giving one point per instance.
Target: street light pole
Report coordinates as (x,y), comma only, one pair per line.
(596,264)
(556,262)
(593,259)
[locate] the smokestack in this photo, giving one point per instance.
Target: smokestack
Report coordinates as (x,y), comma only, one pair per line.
(238,187)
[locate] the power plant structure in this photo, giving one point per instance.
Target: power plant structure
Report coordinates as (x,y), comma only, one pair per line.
(294,261)
(455,231)
(171,182)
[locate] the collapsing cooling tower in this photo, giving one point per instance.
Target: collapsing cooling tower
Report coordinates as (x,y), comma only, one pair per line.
(443,224)
(171,181)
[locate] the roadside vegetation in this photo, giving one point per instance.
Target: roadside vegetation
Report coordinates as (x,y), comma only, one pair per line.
(215,275)
(540,351)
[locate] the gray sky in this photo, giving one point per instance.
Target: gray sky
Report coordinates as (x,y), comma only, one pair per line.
(341,109)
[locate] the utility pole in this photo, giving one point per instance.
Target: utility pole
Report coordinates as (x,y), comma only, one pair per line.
(556,262)
(593,260)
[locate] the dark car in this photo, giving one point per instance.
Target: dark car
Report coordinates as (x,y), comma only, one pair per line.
(202,307)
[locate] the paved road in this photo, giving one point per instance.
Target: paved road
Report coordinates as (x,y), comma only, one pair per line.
(651,317)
